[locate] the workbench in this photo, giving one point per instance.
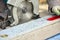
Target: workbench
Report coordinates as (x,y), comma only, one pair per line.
(39,29)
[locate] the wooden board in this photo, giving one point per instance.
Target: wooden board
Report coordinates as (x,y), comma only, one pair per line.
(40,34)
(35,29)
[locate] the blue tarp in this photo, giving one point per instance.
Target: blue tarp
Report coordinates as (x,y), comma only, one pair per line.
(55,37)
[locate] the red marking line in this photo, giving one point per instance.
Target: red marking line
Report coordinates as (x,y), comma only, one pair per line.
(53,18)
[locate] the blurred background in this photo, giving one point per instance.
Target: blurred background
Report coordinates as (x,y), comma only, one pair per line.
(42,1)
(43,8)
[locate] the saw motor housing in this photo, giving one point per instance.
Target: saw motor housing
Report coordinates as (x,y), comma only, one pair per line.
(17,4)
